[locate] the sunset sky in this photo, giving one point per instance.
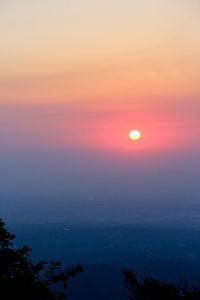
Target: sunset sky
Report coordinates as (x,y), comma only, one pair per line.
(77,75)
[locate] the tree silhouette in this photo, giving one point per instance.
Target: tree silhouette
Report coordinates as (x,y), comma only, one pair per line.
(149,288)
(20,279)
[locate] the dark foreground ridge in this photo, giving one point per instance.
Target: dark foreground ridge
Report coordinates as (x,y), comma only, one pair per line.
(20,279)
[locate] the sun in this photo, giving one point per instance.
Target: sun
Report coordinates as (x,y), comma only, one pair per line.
(134,135)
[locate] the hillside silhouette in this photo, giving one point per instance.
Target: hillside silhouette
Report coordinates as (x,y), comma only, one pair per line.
(21,279)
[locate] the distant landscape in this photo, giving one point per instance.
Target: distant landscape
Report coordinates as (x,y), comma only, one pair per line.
(167,253)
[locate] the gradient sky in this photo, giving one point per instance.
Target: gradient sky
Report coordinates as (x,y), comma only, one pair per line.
(76,76)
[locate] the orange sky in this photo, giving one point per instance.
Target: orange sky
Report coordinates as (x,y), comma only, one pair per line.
(99,69)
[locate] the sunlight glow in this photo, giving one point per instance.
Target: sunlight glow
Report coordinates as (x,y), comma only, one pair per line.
(134,135)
